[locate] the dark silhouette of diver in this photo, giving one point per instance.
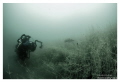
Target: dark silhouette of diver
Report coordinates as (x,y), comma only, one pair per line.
(24,46)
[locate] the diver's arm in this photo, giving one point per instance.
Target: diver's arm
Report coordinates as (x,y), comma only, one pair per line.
(18,40)
(39,42)
(35,43)
(22,36)
(29,36)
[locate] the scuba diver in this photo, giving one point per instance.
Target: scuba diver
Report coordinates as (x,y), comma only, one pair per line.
(24,46)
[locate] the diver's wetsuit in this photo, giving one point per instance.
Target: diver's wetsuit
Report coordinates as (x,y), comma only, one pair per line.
(25,45)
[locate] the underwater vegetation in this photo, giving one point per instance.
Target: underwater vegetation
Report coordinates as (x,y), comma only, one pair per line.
(93,57)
